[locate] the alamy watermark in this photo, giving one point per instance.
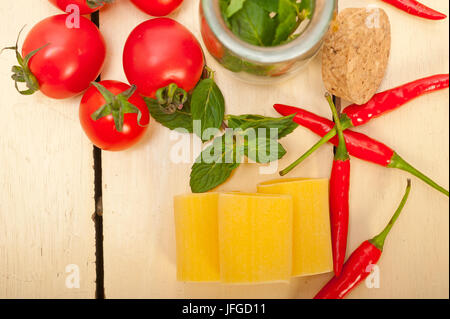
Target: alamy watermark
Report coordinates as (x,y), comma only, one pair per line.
(73,17)
(72,277)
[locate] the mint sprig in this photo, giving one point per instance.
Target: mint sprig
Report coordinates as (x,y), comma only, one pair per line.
(284,125)
(266,22)
(215,164)
(250,135)
(207,106)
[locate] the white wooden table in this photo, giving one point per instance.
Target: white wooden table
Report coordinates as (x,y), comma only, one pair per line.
(47,178)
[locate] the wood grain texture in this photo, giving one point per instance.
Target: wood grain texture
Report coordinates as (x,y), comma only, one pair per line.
(415,262)
(46,181)
(139,184)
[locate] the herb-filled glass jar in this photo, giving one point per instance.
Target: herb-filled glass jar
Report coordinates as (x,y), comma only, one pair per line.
(260,46)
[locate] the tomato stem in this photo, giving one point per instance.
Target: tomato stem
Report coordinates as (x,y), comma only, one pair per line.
(94,4)
(117,106)
(21,72)
(171,98)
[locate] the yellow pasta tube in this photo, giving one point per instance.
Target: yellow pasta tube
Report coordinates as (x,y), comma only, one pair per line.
(197,237)
(255,237)
(312,237)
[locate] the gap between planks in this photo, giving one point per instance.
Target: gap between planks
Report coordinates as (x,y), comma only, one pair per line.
(98,214)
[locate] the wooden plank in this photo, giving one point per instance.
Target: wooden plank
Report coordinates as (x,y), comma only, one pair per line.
(46,183)
(415,260)
(139,184)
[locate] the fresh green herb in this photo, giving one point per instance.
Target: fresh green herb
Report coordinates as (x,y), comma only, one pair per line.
(260,149)
(207,106)
(245,135)
(266,22)
(306,7)
(284,125)
(233,7)
(176,120)
(215,165)
(249,137)
(286,20)
(269,5)
(253,24)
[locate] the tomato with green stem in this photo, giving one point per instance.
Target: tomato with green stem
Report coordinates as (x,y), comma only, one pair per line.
(113,115)
(85,6)
(59,61)
(157,8)
(160,52)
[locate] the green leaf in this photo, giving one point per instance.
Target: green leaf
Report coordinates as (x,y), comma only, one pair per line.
(179,119)
(231,62)
(253,24)
(223,4)
(235,6)
(285,125)
(207,106)
(307,8)
(214,165)
(286,20)
(263,150)
(269,5)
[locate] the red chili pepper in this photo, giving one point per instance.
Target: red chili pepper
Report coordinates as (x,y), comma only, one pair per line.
(358,145)
(361,261)
(416,8)
(381,103)
(392,99)
(339,190)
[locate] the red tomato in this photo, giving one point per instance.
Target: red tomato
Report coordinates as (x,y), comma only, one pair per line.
(82,4)
(103,132)
(72,59)
(159,52)
(157,8)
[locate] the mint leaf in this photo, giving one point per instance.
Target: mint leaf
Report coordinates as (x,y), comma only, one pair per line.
(263,150)
(214,165)
(179,119)
(285,125)
(235,6)
(231,62)
(306,7)
(207,106)
(223,4)
(286,20)
(253,24)
(269,5)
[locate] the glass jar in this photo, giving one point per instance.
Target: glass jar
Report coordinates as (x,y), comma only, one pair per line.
(256,64)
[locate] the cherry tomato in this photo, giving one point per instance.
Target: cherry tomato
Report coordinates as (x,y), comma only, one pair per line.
(70,58)
(103,132)
(159,52)
(82,4)
(157,8)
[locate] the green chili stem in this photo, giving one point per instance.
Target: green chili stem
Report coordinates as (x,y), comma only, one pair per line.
(341,152)
(325,139)
(345,122)
(378,241)
(400,163)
